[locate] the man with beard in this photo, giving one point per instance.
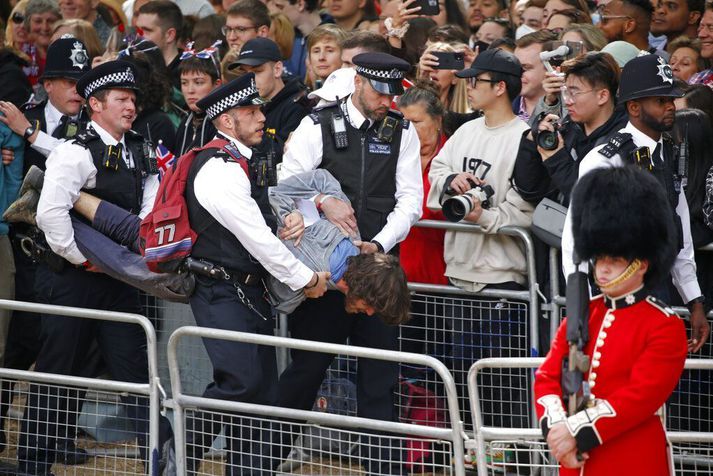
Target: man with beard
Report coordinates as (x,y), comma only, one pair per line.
(374,155)
(627,20)
(648,91)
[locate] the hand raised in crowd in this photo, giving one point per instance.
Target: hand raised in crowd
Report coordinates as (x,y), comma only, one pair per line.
(318,285)
(553,86)
(7,156)
(700,328)
(469,55)
(294,227)
(366,247)
(564,447)
(547,124)
(406,11)
(13,118)
(341,214)
(427,64)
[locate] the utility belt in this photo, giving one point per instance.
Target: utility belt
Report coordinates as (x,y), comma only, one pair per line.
(32,242)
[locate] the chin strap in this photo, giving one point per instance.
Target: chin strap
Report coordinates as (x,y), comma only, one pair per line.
(626,274)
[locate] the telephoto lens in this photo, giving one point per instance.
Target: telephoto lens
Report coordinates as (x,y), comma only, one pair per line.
(456,208)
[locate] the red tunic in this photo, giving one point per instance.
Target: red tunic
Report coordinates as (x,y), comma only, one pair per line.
(421,253)
(637,350)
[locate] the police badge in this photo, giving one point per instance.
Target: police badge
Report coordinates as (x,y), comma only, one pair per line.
(79,56)
(665,72)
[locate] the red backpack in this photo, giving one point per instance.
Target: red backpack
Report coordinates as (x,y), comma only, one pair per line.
(166,236)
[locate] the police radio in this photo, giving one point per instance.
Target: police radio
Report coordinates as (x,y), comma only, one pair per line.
(339,131)
(387,129)
(683,158)
(150,157)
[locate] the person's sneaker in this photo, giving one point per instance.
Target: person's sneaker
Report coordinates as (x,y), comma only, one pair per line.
(68,454)
(24,209)
(34,179)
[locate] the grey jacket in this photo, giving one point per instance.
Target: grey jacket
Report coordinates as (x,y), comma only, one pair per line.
(319,239)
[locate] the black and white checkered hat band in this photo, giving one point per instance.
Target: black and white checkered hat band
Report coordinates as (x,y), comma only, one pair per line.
(231,101)
(120,79)
(380,73)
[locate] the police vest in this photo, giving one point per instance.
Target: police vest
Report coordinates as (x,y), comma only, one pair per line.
(115,181)
(215,243)
(365,169)
(622,144)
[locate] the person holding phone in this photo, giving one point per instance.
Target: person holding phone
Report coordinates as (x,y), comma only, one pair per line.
(439,63)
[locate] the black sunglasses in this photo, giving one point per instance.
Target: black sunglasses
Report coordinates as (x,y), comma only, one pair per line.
(18,18)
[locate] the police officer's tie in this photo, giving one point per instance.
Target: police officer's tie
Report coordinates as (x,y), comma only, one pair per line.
(364,126)
(656,158)
(61,128)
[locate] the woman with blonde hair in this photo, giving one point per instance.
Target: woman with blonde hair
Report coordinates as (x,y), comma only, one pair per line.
(451,89)
(589,35)
(16,36)
(283,33)
(82,30)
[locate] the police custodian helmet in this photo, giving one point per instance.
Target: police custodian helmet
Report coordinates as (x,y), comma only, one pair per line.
(623,212)
(647,76)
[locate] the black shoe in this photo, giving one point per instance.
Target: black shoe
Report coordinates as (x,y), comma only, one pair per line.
(68,454)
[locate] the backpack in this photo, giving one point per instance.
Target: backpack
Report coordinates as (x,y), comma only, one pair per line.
(166,236)
(423,407)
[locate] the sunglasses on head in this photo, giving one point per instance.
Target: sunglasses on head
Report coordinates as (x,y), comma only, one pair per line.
(18,18)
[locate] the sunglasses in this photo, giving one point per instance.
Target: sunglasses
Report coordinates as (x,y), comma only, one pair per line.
(18,18)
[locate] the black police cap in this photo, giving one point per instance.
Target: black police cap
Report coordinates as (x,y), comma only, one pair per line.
(647,76)
(493,61)
(256,52)
(239,92)
(67,57)
(115,74)
(384,71)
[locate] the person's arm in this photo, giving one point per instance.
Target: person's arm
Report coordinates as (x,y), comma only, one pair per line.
(684,268)
(151,184)
(16,120)
(441,173)
(303,151)
(512,211)
(529,175)
(12,172)
(69,168)
(563,171)
(409,192)
(219,183)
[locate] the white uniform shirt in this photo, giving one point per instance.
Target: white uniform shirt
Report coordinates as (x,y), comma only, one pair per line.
(684,268)
(44,142)
(303,152)
(223,189)
(70,168)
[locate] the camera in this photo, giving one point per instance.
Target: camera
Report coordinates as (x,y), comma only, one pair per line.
(457,207)
(547,139)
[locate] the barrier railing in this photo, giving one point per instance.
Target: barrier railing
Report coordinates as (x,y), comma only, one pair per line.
(183,403)
(529,441)
(53,384)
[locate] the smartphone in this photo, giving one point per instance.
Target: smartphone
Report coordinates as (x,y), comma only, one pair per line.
(428,7)
(449,60)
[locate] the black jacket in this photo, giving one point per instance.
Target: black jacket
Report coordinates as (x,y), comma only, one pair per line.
(285,111)
(535,179)
(194,131)
(154,126)
(16,87)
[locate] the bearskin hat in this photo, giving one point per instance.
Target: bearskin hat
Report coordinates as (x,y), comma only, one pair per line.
(624,212)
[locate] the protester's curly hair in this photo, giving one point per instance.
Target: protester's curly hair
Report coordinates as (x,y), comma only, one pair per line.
(379,280)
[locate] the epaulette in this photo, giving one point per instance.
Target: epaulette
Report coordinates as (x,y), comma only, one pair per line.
(32,105)
(616,142)
(85,137)
(314,115)
(661,306)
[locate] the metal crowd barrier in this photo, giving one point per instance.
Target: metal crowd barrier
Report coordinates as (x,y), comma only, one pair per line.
(522,449)
(242,418)
(101,395)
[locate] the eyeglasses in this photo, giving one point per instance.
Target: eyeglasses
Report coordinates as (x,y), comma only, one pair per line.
(571,95)
(227,30)
(473,82)
(18,18)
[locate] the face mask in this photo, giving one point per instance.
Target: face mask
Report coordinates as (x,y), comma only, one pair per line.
(523,30)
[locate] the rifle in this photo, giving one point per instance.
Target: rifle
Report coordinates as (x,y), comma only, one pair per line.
(576,389)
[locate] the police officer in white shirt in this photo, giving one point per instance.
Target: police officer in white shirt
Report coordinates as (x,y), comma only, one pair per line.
(374,154)
(236,232)
(110,161)
(647,88)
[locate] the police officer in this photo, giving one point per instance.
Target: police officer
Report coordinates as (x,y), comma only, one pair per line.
(43,125)
(374,154)
(229,205)
(647,88)
(109,160)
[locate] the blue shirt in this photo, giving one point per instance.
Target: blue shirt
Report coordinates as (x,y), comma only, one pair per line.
(10,174)
(339,257)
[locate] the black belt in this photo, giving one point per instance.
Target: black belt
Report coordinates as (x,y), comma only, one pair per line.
(233,276)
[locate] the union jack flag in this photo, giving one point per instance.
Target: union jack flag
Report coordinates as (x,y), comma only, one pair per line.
(164,159)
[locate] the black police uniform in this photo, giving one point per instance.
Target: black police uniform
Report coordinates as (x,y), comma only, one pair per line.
(366,171)
(66,341)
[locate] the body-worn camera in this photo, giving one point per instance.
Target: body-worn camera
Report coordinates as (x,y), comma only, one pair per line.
(263,166)
(457,207)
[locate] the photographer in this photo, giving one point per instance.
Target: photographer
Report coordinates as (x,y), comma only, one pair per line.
(589,93)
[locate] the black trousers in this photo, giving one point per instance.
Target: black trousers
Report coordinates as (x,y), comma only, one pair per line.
(325,320)
(241,372)
(65,343)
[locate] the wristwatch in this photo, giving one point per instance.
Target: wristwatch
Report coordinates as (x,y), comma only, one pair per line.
(31,130)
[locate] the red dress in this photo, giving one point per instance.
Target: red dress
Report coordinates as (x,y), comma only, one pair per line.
(637,348)
(421,253)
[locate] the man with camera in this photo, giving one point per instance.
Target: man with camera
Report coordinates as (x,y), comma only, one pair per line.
(374,154)
(548,160)
(647,90)
(478,159)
